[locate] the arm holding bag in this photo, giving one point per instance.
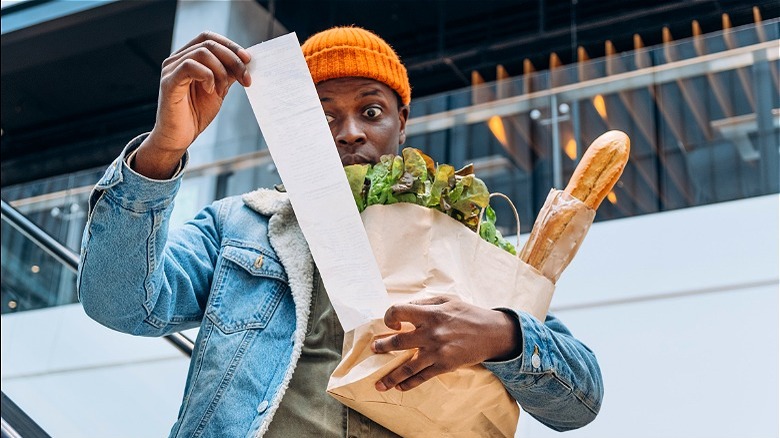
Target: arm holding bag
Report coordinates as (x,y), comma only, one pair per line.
(430,254)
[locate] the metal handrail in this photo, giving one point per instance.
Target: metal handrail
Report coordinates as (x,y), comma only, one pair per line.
(15,423)
(41,238)
(69,259)
(233,164)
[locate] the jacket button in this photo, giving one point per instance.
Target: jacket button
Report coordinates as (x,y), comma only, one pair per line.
(258,262)
(262,407)
(536,361)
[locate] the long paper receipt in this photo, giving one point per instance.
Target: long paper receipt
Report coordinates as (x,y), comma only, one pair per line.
(288,110)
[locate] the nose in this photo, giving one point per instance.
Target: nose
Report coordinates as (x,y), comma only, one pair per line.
(350,133)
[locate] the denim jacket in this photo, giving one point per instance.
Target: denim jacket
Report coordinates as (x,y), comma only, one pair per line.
(242,272)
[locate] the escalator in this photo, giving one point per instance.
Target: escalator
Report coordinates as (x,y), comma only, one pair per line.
(15,423)
(31,292)
(38,288)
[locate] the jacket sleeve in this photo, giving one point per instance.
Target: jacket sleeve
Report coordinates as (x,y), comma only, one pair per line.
(133,277)
(556,378)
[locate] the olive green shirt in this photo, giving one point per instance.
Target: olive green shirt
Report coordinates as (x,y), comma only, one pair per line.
(306,409)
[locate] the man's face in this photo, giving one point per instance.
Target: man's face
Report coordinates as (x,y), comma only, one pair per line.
(364,118)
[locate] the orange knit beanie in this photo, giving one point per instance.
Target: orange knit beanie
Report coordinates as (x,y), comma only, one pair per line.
(351,51)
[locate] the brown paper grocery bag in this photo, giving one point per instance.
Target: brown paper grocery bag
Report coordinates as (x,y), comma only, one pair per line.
(422,253)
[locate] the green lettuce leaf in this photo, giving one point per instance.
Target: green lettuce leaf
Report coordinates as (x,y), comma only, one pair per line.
(356,175)
(490,233)
(413,177)
(467,199)
(443,180)
(381,180)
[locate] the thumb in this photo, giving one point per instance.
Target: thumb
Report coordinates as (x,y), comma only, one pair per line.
(432,301)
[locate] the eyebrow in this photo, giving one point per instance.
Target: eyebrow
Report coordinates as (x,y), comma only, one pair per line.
(369,92)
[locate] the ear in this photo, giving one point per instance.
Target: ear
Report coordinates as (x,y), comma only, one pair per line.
(403,116)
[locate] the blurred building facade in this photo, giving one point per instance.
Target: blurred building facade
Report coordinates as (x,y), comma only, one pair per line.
(675,287)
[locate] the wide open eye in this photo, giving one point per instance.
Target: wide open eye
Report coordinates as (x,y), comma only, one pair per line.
(372,112)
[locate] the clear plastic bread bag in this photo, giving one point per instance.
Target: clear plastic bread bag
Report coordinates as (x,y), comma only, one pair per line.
(557,234)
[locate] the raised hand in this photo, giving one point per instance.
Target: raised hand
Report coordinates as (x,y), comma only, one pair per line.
(193,84)
(449,334)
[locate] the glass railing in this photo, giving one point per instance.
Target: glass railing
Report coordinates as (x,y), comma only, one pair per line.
(51,278)
(32,277)
(51,282)
(702,115)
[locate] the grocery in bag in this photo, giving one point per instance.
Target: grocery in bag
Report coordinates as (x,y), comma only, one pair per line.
(423,250)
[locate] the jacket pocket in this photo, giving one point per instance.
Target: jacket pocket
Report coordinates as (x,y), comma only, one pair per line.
(248,286)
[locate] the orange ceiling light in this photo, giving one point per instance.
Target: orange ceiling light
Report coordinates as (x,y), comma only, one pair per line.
(496,126)
(612,197)
(571,149)
(601,106)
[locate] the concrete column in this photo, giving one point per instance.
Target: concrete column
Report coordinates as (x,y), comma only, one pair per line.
(234,131)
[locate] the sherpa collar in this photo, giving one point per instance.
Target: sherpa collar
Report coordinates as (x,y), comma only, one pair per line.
(268,202)
(290,246)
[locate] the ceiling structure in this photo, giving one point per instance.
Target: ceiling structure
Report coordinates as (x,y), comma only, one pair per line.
(441,42)
(76,88)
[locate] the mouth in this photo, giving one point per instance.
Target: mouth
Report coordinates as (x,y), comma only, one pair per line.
(346,160)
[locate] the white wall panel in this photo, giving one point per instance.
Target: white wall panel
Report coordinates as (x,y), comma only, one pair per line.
(134,400)
(63,338)
(696,366)
(682,251)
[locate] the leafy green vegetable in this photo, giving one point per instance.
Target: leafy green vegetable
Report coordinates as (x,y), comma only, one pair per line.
(468,198)
(356,175)
(443,179)
(490,233)
(381,182)
(414,177)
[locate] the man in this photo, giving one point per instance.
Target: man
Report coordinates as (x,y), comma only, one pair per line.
(242,272)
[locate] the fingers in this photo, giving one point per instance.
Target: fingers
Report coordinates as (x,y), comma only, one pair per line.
(416,312)
(409,375)
(448,334)
(200,60)
(224,41)
(213,63)
(432,301)
(419,378)
(397,342)
(192,71)
(422,314)
(226,59)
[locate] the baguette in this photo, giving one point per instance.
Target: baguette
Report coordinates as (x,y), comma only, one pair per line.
(593,179)
(600,168)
